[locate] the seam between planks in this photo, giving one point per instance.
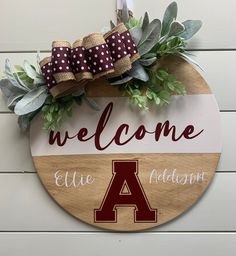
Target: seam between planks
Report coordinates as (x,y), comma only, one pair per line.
(102,232)
(34,172)
(221,111)
(189,49)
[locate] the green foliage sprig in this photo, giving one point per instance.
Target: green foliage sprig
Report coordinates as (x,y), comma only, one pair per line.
(55,110)
(158,89)
(162,86)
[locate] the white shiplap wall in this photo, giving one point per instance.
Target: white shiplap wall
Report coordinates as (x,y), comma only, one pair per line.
(31,224)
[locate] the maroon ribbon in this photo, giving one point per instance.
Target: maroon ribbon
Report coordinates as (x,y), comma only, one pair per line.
(81,62)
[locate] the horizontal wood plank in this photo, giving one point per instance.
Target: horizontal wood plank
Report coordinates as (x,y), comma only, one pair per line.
(15,152)
(26,206)
(73,244)
(56,19)
(212,63)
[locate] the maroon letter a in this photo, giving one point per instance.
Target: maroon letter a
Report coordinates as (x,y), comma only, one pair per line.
(125,175)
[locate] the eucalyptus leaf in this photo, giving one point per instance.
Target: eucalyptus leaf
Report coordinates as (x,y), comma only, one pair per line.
(32,101)
(138,72)
(157,100)
(11,77)
(191,28)
(122,81)
(149,94)
(176,28)
(151,31)
(169,16)
(148,62)
(136,33)
(145,21)
(165,96)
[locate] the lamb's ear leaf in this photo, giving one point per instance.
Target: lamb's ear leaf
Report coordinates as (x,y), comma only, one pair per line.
(112,24)
(13,94)
(15,82)
(18,68)
(138,72)
(38,59)
(32,101)
(151,40)
(8,89)
(13,99)
(149,55)
(145,21)
(25,120)
(176,28)
(189,59)
(148,62)
(29,70)
(122,81)
(191,28)
(169,16)
(152,31)
(136,33)
(39,80)
(92,103)
(79,92)
(125,12)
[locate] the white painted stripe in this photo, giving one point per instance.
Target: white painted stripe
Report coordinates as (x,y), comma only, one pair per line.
(201,111)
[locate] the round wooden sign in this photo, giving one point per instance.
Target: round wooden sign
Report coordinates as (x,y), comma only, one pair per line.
(122,169)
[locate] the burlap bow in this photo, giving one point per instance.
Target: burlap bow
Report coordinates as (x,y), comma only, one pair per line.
(94,56)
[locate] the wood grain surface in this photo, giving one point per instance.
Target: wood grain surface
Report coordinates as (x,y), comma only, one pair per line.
(171,199)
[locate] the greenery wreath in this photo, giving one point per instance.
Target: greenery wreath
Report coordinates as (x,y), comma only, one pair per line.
(137,75)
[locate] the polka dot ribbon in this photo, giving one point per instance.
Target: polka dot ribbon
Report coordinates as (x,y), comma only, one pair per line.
(92,57)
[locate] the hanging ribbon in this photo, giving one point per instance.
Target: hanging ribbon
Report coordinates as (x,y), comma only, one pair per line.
(92,57)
